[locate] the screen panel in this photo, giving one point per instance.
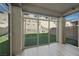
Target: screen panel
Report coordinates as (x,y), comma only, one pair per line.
(71,32)
(30,32)
(43,32)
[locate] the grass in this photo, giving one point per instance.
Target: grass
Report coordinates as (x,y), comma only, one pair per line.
(4,46)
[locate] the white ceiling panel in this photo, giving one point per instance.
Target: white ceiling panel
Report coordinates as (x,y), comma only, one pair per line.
(52,9)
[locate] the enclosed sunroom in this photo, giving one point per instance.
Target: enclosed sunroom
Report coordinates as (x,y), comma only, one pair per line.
(39,29)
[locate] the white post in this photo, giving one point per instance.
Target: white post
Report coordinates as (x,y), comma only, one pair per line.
(49,30)
(38,31)
(57,30)
(22,28)
(17,30)
(61,30)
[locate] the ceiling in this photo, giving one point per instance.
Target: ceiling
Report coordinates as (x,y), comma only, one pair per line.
(52,9)
(61,8)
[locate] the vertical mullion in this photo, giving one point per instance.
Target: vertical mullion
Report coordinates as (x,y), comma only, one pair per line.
(25,29)
(9,31)
(56,30)
(37,30)
(10,25)
(49,30)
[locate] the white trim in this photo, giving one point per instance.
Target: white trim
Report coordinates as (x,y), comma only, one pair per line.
(10,9)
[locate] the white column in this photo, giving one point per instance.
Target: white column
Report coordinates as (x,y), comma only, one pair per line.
(17,30)
(61,30)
